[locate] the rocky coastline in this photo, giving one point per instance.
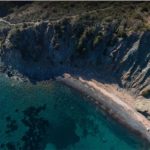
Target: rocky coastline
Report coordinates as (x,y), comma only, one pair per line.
(41,47)
(121,112)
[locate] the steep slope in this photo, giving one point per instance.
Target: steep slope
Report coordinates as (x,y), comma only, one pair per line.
(105,39)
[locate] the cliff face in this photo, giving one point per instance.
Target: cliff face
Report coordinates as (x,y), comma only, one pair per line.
(46,48)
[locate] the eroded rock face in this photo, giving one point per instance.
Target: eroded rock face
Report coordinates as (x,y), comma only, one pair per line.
(134,66)
(43,49)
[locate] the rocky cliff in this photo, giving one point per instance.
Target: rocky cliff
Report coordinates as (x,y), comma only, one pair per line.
(93,39)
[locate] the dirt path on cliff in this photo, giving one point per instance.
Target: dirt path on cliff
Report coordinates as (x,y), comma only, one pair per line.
(4,20)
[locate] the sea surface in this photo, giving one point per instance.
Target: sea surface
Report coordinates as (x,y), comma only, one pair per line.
(51,116)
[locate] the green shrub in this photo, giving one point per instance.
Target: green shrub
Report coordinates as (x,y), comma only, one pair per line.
(54,10)
(146,93)
(121,32)
(147,26)
(97,40)
(24,25)
(145,9)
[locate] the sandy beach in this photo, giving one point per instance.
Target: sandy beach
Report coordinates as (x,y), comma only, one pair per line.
(118,106)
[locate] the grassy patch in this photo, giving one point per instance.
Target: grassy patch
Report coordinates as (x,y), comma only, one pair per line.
(97,40)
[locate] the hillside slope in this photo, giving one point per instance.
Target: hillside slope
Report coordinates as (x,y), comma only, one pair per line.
(42,40)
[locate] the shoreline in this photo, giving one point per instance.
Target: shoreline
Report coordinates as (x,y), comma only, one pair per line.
(116,107)
(112,105)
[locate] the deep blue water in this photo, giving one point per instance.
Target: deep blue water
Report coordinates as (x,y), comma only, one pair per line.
(55,117)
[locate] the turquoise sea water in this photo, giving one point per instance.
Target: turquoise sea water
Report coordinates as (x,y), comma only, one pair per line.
(55,117)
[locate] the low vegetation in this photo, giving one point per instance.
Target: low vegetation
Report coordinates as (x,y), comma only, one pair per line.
(146,93)
(97,40)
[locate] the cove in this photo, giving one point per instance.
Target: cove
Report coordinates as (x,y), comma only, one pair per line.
(51,116)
